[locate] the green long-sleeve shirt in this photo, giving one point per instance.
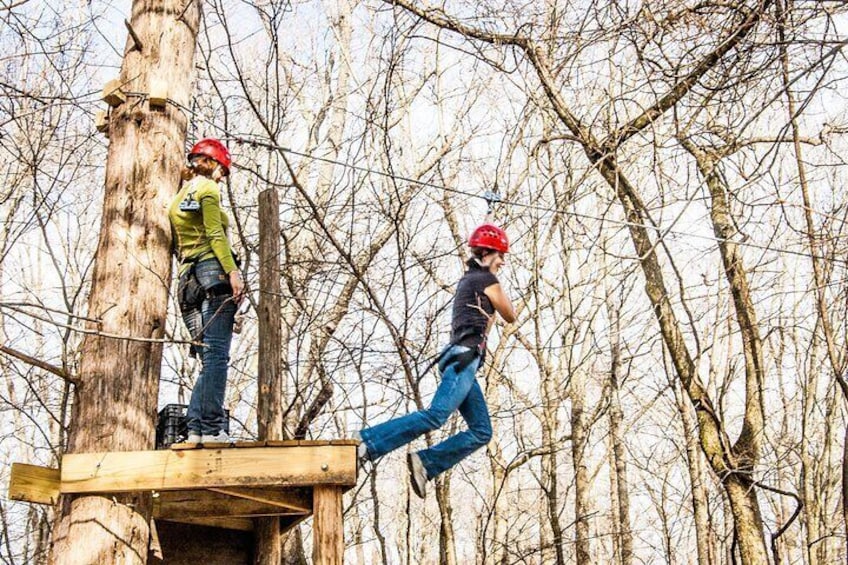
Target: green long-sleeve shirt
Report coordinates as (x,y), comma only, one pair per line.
(200,227)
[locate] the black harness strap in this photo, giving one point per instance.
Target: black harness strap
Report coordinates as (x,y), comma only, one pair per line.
(463,359)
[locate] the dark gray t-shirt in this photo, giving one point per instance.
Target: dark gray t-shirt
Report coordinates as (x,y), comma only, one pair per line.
(469,323)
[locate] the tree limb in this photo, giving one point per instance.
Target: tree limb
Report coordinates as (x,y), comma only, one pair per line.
(59,372)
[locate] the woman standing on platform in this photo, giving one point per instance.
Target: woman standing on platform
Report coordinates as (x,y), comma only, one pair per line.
(210,287)
(478,296)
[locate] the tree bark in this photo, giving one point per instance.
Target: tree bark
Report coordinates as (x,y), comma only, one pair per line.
(115,402)
(697,480)
(582,486)
(730,462)
(834,353)
(494,546)
(447,543)
(327,526)
(269,411)
(621,509)
(739,484)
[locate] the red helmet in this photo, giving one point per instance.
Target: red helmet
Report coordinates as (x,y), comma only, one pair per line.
(489,236)
(215,150)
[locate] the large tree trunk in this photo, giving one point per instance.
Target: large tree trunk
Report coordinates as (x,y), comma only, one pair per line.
(115,402)
(739,485)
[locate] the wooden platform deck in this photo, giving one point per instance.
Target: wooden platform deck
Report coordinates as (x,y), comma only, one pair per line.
(214,485)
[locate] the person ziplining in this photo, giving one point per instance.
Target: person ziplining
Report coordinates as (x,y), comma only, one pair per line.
(211,288)
(478,297)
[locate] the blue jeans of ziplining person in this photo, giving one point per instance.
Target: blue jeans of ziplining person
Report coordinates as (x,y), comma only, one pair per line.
(211,324)
(458,390)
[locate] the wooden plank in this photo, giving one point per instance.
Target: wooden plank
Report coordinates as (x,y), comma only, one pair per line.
(101,122)
(204,468)
(243,444)
(155,545)
(32,483)
(179,504)
(217,445)
(327,526)
(112,93)
(157,95)
(283,443)
(241,524)
(183,446)
(297,499)
(310,442)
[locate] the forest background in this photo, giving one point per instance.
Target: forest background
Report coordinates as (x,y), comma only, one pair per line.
(672,178)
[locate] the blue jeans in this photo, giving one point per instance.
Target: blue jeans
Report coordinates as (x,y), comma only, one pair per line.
(211,324)
(458,390)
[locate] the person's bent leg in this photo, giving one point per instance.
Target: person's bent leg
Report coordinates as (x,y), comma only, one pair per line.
(454,449)
(388,436)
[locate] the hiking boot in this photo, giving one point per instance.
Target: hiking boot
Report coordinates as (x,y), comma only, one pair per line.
(220,437)
(417,474)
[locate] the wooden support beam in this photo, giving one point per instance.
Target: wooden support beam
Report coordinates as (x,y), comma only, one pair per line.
(270,381)
(183,504)
(327,526)
(31,483)
(157,92)
(101,122)
(298,499)
(112,93)
(240,524)
(206,468)
(137,44)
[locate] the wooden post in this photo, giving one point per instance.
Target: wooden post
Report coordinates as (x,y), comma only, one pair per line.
(270,401)
(269,411)
(114,406)
(327,526)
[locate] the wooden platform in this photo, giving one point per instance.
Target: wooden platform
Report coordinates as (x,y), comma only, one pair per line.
(221,485)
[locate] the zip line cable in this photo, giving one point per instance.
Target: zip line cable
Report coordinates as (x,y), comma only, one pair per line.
(492,196)
(489,196)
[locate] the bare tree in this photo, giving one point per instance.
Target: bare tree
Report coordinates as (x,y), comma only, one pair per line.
(116,396)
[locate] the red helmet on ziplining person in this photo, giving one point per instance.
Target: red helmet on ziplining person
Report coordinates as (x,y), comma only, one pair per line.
(215,150)
(489,236)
